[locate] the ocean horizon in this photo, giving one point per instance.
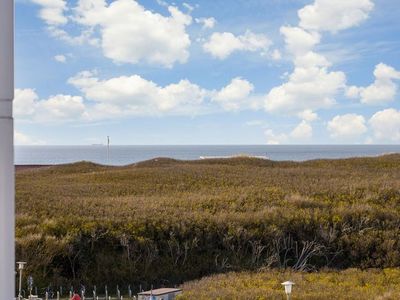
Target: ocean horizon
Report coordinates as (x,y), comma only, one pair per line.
(125,154)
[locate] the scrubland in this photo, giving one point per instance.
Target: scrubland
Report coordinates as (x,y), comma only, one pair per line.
(349,284)
(165,222)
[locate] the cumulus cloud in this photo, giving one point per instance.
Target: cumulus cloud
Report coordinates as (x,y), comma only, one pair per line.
(223,44)
(312,85)
(347,126)
(23,139)
(236,95)
(385,125)
(24,102)
(60,58)
(130,34)
(28,106)
(125,96)
(63,107)
(125,30)
(328,15)
(134,95)
(299,41)
(207,23)
(308,115)
(381,91)
(275,138)
(309,88)
(302,132)
(276,54)
(52,11)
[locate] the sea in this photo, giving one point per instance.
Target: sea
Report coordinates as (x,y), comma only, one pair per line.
(125,155)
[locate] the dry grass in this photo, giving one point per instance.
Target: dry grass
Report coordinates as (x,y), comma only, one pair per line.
(84,222)
(348,284)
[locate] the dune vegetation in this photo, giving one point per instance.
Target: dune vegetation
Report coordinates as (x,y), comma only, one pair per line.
(349,284)
(164,222)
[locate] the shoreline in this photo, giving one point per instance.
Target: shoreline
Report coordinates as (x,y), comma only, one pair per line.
(21,167)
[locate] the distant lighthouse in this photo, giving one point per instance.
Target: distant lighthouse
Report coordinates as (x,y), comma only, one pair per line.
(108,149)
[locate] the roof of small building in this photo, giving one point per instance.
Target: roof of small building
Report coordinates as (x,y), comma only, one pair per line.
(159,292)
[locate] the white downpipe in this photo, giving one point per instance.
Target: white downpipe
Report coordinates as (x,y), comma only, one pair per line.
(7,186)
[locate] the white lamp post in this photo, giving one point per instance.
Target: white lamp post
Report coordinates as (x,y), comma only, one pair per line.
(21,266)
(7,215)
(288,288)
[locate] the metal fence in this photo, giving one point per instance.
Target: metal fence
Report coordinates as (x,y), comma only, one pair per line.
(62,293)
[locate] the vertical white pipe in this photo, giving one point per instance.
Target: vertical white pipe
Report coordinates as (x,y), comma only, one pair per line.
(7,192)
(20,284)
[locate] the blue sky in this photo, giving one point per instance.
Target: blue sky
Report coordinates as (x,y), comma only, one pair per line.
(207,72)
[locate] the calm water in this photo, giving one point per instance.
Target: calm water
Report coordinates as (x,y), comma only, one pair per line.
(122,155)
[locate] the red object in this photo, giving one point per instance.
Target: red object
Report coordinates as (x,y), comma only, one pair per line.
(76,297)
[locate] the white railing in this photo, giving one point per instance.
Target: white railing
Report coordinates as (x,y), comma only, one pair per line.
(7,189)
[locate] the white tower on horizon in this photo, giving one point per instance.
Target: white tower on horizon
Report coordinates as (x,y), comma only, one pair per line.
(108,149)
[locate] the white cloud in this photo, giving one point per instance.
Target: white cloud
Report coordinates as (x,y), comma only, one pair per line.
(235,95)
(189,7)
(299,41)
(60,107)
(276,54)
(23,139)
(328,15)
(311,59)
(131,34)
(28,106)
(52,11)
(221,45)
(208,23)
(60,58)
(162,3)
(24,102)
(125,30)
(353,92)
(382,91)
(348,126)
(308,115)
(309,88)
(275,139)
(312,85)
(125,96)
(134,95)
(302,132)
(85,36)
(385,125)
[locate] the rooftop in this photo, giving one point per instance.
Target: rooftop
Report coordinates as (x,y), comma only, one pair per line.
(159,292)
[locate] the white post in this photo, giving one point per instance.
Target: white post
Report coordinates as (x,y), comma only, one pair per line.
(20,285)
(7,215)
(21,266)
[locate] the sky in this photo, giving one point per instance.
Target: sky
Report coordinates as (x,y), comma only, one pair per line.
(157,72)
